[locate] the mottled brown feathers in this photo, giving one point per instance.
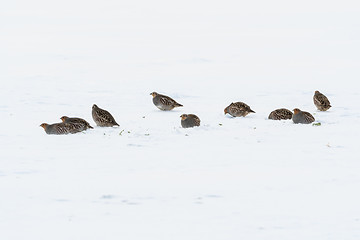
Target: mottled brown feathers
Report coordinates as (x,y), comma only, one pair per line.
(238,109)
(321,102)
(280,114)
(302,117)
(79,122)
(60,128)
(163,102)
(189,120)
(103,118)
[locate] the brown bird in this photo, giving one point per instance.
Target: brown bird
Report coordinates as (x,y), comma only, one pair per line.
(103,118)
(302,117)
(281,113)
(163,102)
(79,122)
(238,109)
(60,128)
(189,120)
(321,101)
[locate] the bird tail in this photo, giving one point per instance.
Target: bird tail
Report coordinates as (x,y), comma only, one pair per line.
(178,105)
(90,126)
(252,111)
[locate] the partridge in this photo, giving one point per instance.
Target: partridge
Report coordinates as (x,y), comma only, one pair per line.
(163,102)
(189,120)
(103,118)
(321,101)
(238,109)
(302,117)
(281,113)
(60,128)
(79,122)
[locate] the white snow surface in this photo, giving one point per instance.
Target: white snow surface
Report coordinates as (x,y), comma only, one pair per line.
(229,179)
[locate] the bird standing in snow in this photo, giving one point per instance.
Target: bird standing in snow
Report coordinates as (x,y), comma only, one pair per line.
(163,102)
(302,117)
(281,113)
(60,128)
(103,118)
(238,109)
(321,101)
(189,120)
(79,122)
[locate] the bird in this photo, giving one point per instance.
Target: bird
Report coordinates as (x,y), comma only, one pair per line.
(238,109)
(103,118)
(163,102)
(60,128)
(79,122)
(190,120)
(302,117)
(321,101)
(281,113)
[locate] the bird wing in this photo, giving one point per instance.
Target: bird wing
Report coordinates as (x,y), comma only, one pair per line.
(242,106)
(105,115)
(167,100)
(197,120)
(308,117)
(284,113)
(322,100)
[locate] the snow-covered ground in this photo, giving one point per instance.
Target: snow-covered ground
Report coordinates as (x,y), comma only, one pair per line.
(231,178)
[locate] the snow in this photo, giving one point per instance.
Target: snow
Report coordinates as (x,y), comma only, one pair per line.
(231,178)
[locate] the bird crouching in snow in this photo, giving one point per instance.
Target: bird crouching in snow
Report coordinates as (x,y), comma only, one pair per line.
(238,109)
(163,102)
(280,114)
(302,117)
(103,118)
(60,128)
(189,120)
(321,102)
(79,122)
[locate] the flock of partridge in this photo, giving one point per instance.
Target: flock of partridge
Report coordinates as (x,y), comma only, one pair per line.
(103,118)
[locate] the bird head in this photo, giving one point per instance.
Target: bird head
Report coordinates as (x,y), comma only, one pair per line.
(154,94)
(226,110)
(296,110)
(63,118)
(317,92)
(94,106)
(184,116)
(44,125)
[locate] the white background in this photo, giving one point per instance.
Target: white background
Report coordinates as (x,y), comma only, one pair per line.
(231,178)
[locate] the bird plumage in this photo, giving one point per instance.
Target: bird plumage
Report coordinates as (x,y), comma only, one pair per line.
(103,118)
(280,114)
(80,123)
(238,109)
(163,102)
(321,102)
(60,128)
(302,117)
(189,120)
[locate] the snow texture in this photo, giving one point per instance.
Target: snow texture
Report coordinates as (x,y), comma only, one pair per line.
(229,179)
